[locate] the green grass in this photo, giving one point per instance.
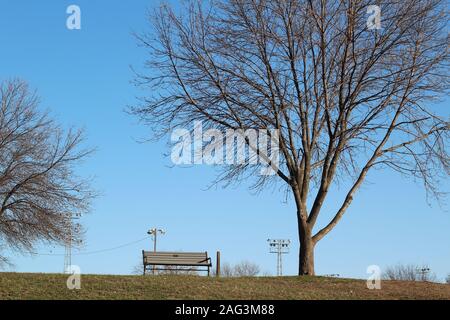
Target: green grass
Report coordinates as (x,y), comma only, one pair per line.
(51,286)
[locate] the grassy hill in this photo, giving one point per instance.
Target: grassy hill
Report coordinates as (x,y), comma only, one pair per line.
(50,286)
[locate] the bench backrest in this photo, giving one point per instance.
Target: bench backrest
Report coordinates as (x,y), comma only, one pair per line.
(176,258)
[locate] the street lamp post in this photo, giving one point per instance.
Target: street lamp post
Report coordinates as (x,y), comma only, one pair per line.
(154,233)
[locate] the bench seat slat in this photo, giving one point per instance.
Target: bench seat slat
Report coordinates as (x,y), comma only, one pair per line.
(180,264)
(172,257)
(176,259)
(174,253)
(179,260)
(190,259)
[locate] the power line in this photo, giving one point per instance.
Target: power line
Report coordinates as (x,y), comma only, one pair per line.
(92,252)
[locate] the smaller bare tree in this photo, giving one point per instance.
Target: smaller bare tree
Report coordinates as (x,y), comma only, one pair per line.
(246,269)
(39,190)
(138,269)
(242,269)
(226,271)
(409,272)
(5,263)
(401,272)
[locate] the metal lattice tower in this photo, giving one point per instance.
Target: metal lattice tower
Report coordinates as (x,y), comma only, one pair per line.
(279,247)
(67,257)
(70,240)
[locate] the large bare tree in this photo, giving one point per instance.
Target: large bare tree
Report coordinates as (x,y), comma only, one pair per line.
(39,191)
(346,98)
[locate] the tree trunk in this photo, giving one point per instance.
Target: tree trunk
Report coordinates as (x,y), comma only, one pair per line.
(306,256)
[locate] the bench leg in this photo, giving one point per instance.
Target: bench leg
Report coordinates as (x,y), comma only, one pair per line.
(144,270)
(208,271)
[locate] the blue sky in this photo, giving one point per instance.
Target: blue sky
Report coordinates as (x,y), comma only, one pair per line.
(83,77)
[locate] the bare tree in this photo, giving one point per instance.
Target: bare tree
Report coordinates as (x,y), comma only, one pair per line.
(448,279)
(345,99)
(401,272)
(242,269)
(138,269)
(246,269)
(39,191)
(5,263)
(226,271)
(409,272)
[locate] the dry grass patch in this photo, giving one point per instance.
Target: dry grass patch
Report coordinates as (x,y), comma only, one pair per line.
(51,286)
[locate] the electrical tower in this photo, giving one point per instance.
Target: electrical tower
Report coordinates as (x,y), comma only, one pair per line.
(423,272)
(73,230)
(279,247)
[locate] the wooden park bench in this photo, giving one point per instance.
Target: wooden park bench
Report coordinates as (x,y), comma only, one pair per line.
(162,261)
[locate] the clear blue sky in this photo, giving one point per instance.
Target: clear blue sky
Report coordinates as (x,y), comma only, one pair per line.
(84,77)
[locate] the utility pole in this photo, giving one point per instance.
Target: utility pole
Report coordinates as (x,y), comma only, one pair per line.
(218,264)
(69,241)
(279,247)
(154,233)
